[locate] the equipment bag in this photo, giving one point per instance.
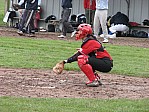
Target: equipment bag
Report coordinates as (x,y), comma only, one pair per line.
(139,34)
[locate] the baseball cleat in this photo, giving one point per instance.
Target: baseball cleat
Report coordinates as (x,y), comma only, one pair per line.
(94,83)
(98,78)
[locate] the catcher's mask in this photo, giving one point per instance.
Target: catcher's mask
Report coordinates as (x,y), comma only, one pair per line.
(83,30)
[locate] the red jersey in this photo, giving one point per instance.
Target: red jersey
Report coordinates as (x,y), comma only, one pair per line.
(96,48)
(91,47)
(90,4)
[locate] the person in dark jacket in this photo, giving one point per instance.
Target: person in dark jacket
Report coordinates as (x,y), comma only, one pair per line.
(21,9)
(92,56)
(27,23)
(37,16)
(119,23)
(67,7)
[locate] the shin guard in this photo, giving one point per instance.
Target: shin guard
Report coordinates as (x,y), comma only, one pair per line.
(86,68)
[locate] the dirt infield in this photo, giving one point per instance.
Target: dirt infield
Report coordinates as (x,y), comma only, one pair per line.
(44,83)
(41,83)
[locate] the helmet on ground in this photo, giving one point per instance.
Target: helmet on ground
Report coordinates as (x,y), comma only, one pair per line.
(83,30)
(81,18)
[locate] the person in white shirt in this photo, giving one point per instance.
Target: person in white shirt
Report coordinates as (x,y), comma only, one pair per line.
(100,19)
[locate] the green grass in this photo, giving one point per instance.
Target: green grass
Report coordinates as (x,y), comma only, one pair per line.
(44,54)
(12,104)
(2,6)
(34,53)
(130,60)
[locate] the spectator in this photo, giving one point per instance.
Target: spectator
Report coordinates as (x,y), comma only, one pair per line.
(119,23)
(100,19)
(21,9)
(66,11)
(37,15)
(90,7)
(28,17)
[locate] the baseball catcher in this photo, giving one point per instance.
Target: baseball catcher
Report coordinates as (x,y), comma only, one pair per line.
(91,57)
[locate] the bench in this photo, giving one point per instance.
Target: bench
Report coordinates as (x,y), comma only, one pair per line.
(135,31)
(142,27)
(13,21)
(56,23)
(53,22)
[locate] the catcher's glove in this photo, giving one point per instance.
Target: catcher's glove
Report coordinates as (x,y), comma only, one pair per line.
(16,7)
(59,67)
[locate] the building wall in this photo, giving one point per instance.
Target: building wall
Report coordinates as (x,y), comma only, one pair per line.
(139,9)
(54,7)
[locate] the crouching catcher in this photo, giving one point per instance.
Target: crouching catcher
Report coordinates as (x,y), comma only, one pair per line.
(91,57)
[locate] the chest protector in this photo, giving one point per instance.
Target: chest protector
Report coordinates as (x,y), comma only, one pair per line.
(91,37)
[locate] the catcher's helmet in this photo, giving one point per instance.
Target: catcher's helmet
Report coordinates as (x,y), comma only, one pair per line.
(83,30)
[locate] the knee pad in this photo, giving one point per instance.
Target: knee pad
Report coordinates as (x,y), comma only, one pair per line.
(82,60)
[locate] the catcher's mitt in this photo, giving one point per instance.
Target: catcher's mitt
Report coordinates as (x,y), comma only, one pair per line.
(58,68)
(16,7)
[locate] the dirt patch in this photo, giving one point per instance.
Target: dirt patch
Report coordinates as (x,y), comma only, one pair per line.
(129,41)
(44,83)
(71,84)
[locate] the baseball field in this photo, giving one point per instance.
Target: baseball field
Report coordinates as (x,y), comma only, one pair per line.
(28,84)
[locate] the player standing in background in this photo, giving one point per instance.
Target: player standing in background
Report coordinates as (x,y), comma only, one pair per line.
(90,7)
(100,19)
(66,11)
(27,23)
